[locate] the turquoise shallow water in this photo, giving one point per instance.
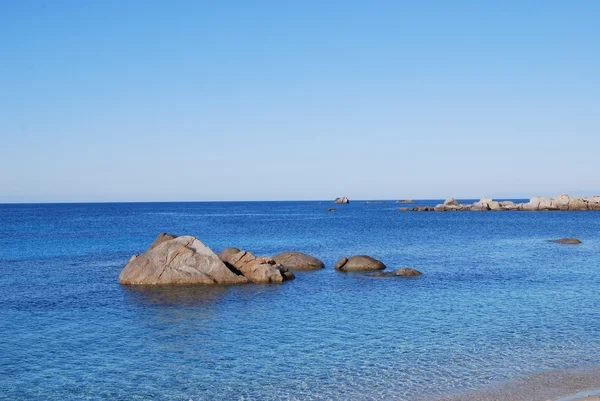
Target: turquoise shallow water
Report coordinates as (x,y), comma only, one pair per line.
(497,300)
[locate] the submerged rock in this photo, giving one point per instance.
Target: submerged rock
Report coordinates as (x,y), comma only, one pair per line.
(568,241)
(331,209)
(341,200)
(403,272)
(298,261)
(360,263)
(178,260)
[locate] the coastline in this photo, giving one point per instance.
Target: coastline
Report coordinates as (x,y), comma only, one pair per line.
(575,384)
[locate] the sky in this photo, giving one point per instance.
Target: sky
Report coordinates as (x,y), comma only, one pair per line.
(280,100)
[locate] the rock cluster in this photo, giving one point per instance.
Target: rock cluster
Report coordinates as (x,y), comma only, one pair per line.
(540,203)
(186,260)
(259,269)
(178,260)
(341,200)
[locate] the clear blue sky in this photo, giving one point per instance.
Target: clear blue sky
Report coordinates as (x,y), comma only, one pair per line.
(259,100)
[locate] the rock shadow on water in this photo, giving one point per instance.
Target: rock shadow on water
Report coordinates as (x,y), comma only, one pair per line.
(175,295)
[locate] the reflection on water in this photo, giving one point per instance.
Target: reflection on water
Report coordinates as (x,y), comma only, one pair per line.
(178,295)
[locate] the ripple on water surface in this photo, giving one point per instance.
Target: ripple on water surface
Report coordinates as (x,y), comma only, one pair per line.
(497,301)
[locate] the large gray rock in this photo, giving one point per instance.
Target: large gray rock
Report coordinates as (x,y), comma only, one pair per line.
(450,202)
(178,260)
(493,205)
(341,200)
(360,263)
(258,269)
(298,261)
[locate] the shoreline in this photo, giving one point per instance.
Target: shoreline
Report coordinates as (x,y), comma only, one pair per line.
(574,384)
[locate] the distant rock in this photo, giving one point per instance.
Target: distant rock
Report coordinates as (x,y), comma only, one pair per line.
(568,241)
(341,200)
(160,239)
(450,202)
(330,210)
(560,202)
(258,269)
(405,201)
(225,253)
(360,263)
(403,209)
(422,208)
(577,204)
(178,260)
(298,261)
(373,203)
(403,272)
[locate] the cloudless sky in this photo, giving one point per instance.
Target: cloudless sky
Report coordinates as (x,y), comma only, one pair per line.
(259,100)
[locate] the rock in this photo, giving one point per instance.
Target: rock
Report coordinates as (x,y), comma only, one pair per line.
(407,272)
(568,241)
(532,205)
(493,205)
(330,210)
(508,205)
(421,208)
(341,200)
(577,204)
(162,237)
(440,208)
(298,261)
(258,269)
(225,253)
(450,202)
(359,263)
(561,202)
(403,209)
(405,201)
(179,260)
(340,263)
(545,203)
(373,203)
(403,272)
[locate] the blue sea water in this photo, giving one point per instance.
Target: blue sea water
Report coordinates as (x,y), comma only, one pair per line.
(497,300)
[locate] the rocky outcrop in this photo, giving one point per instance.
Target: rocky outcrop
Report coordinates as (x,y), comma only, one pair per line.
(258,269)
(568,241)
(341,200)
(178,260)
(539,203)
(298,261)
(360,263)
(403,272)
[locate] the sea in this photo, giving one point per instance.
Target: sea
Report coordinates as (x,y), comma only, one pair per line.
(498,303)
